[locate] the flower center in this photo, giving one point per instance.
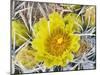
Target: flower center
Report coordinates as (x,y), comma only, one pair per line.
(57,42)
(60,40)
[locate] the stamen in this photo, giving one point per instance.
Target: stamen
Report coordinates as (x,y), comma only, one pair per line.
(57,42)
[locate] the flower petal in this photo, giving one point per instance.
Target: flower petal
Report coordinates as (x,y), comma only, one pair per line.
(72,21)
(56,21)
(74,43)
(41,28)
(38,44)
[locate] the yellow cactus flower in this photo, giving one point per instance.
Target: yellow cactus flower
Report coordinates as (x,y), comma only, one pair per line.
(19,28)
(90,14)
(55,40)
(84,48)
(26,57)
